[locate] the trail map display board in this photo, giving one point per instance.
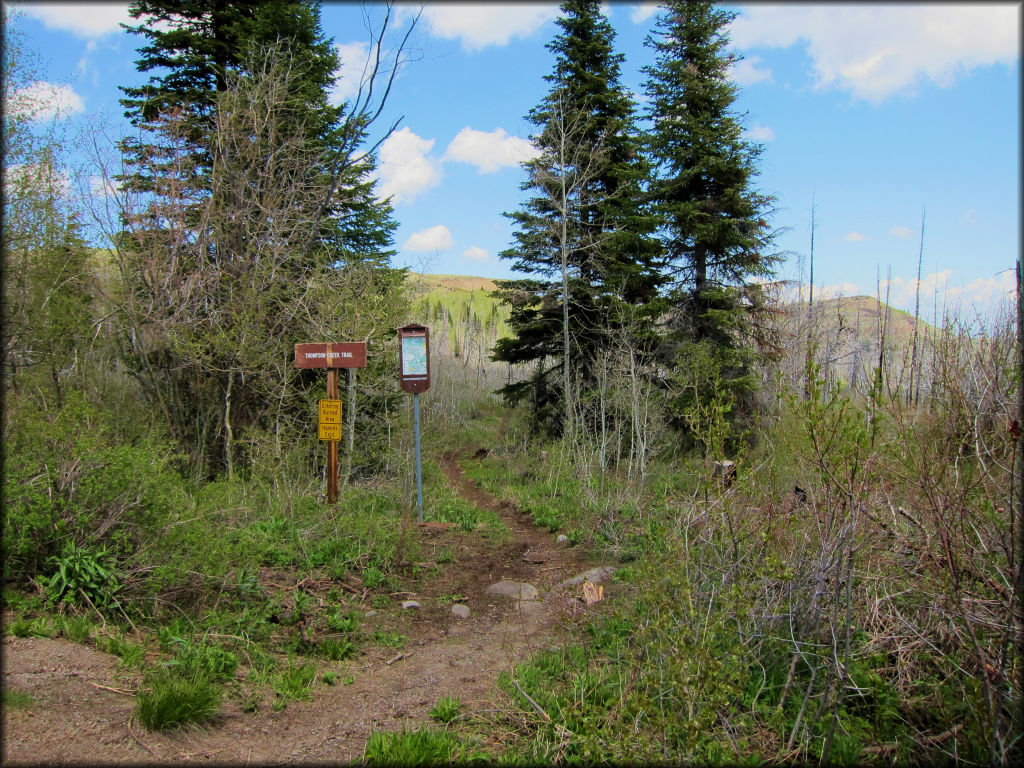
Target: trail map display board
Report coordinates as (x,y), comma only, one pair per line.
(414,358)
(414,373)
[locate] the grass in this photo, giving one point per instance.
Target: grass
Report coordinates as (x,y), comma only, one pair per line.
(421,746)
(40,626)
(295,682)
(17,699)
(171,700)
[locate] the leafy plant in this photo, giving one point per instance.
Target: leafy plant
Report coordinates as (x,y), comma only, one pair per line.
(447,709)
(131,654)
(346,623)
(389,639)
(83,573)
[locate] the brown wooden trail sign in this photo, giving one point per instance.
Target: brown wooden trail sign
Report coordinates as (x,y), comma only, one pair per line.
(332,356)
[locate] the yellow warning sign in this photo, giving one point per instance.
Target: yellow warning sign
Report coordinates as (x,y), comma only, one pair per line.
(330,420)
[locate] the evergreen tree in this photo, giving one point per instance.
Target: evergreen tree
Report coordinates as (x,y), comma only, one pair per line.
(583,233)
(712,222)
(256,218)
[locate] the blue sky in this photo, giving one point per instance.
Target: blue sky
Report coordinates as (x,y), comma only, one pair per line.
(876,112)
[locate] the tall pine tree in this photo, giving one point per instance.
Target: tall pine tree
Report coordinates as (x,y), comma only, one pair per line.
(583,234)
(255,217)
(712,221)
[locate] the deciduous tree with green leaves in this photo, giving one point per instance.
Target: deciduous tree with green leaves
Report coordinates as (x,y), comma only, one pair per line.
(47,300)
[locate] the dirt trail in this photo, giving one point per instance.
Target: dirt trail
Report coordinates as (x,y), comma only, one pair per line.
(82,710)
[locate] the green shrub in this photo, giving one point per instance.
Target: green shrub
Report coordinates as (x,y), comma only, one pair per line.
(70,477)
(131,654)
(345,623)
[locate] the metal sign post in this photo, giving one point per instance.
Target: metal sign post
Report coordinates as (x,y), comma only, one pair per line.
(332,357)
(414,370)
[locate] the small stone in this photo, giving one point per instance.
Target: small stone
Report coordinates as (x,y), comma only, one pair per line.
(410,604)
(460,610)
(368,614)
(596,575)
(562,538)
(517,589)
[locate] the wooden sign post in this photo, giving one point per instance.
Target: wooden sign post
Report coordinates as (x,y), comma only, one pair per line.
(414,377)
(332,357)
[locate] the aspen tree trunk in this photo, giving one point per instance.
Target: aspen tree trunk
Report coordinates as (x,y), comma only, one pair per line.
(915,375)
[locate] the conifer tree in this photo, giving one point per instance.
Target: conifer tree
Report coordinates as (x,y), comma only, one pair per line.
(256,217)
(583,234)
(712,222)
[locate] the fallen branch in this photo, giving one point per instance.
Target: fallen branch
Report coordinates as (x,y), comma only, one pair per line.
(535,705)
(943,736)
(393,659)
(108,688)
(880,749)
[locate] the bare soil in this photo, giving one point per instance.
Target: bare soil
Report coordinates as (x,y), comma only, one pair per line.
(82,704)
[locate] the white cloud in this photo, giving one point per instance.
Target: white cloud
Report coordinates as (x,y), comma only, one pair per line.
(45,101)
(489,151)
(855,237)
(643,12)
(404,169)
(836,290)
(985,292)
(876,50)
(980,297)
(792,292)
(102,187)
(761,133)
(81,19)
(902,293)
(901,232)
(38,177)
(474,253)
(354,58)
(745,71)
(477,25)
(437,238)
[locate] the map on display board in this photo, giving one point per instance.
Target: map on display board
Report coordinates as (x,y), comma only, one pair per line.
(414,356)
